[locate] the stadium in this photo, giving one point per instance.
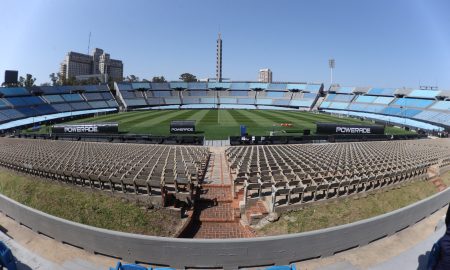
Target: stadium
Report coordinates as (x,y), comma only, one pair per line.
(219,173)
(280,163)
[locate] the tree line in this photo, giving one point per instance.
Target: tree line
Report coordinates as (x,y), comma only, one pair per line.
(27,81)
(57,79)
(185,77)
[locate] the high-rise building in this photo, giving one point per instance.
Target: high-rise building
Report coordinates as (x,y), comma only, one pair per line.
(219,59)
(99,64)
(265,75)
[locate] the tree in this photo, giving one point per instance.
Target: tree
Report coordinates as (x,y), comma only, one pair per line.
(159,79)
(89,81)
(10,84)
(131,78)
(188,77)
(54,78)
(29,81)
(45,84)
(69,81)
(21,82)
(61,79)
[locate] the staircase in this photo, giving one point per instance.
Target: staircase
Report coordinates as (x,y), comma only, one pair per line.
(216,212)
(439,184)
(317,104)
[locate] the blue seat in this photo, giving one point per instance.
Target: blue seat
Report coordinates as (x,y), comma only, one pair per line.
(121,266)
(6,257)
(282,267)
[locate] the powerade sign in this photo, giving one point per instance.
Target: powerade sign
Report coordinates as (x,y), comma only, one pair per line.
(81,129)
(353,130)
(186,126)
(109,128)
(332,128)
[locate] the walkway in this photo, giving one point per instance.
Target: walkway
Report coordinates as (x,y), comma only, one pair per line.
(216,213)
(407,249)
(217,143)
(217,216)
(36,251)
(404,250)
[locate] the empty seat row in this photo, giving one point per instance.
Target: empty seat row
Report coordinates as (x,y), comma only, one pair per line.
(321,171)
(147,169)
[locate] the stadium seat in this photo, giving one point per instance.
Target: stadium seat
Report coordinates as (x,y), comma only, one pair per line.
(234,96)
(56,101)
(6,258)
(416,108)
(126,168)
(298,174)
(282,267)
(121,266)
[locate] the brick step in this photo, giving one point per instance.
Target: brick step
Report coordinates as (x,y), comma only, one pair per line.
(222,200)
(220,230)
(216,186)
(436,180)
(222,212)
(216,193)
(239,195)
(205,220)
(439,184)
(219,200)
(237,213)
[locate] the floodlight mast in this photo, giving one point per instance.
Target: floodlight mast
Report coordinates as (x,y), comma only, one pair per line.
(331,64)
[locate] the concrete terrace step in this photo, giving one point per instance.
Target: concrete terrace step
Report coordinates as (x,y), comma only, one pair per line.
(217,171)
(217,143)
(256,212)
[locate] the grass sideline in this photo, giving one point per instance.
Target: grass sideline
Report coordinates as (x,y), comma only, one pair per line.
(220,124)
(349,210)
(86,207)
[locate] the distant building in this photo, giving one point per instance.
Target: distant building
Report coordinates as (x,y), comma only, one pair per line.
(265,75)
(219,59)
(98,65)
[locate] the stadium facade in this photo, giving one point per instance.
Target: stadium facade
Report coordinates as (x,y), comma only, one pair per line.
(404,106)
(285,177)
(225,95)
(414,108)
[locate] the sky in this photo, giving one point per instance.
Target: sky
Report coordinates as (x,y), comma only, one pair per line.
(383,43)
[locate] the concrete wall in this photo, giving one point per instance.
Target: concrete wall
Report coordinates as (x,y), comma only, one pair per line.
(228,254)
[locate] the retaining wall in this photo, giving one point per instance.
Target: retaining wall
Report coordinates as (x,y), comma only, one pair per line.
(228,254)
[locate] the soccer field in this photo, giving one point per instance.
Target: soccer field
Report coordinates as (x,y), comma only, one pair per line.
(220,124)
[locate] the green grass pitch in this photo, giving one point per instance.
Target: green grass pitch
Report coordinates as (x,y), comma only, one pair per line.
(220,124)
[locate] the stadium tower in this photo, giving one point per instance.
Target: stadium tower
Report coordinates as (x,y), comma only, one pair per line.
(219,59)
